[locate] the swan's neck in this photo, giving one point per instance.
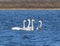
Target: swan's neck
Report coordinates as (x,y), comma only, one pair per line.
(40,24)
(29,24)
(23,24)
(32,26)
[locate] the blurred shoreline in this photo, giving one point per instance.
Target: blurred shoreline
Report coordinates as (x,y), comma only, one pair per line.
(29,5)
(29,9)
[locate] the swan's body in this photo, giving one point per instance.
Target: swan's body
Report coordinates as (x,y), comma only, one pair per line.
(16,28)
(28,29)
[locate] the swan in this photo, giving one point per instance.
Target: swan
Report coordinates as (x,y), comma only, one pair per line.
(40,26)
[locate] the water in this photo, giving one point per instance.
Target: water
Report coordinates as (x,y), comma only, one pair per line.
(49,35)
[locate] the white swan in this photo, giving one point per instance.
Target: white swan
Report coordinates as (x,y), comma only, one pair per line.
(40,26)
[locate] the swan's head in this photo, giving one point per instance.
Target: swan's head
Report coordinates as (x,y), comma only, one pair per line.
(24,21)
(40,21)
(28,19)
(33,20)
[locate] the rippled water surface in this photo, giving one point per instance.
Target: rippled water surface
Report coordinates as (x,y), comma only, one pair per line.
(49,35)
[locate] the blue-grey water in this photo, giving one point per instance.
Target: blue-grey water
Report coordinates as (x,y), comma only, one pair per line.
(49,35)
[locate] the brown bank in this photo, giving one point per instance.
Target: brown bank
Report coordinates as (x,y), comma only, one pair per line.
(29,4)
